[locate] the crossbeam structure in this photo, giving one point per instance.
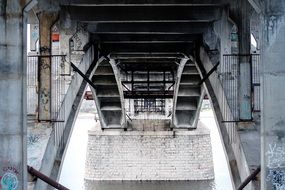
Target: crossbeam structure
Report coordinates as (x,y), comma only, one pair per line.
(147,43)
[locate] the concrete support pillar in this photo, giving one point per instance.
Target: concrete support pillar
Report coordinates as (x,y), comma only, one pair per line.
(245,68)
(13,161)
(46,21)
(273,93)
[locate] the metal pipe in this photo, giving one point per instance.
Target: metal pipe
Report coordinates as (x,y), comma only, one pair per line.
(83,75)
(249,178)
(46,179)
(209,73)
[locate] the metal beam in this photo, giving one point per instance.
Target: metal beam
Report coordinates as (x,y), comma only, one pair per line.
(146,42)
(150,62)
(152,47)
(209,73)
(146,82)
(133,13)
(145,68)
(147,56)
(256,4)
(250,178)
(140,2)
(46,179)
(83,76)
(148,94)
(142,37)
(149,28)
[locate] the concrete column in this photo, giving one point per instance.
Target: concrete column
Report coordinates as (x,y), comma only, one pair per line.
(46,19)
(273,93)
(245,74)
(13,161)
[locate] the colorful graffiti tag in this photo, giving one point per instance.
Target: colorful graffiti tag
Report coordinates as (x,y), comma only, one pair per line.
(9,181)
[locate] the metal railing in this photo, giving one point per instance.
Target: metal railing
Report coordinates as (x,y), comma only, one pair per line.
(149,105)
(57,87)
(229,75)
(32,86)
(58,90)
(255,65)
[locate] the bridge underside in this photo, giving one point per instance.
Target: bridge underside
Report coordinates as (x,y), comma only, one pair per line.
(150,53)
(150,48)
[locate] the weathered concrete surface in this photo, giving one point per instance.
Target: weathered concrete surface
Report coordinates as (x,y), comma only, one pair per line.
(273,93)
(244,61)
(13,170)
(54,153)
(231,139)
(46,20)
(108,95)
(188,96)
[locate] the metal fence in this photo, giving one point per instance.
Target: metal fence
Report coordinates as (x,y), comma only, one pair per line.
(149,105)
(57,87)
(32,86)
(229,75)
(229,71)
(255,63)
(58,91)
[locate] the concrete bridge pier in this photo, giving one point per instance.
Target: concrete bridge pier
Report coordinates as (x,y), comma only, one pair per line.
(13,151)
(273,117)
(46,21)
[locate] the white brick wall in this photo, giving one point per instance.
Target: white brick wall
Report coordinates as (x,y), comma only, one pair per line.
(149,155)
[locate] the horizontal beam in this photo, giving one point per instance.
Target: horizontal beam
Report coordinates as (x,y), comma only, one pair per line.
(142,37)
(147,56)
(148,82)
(140,2)
(134,13)
(138,62)
(138,95)
(148,94)
(153,47)
(146,42)
(149,28)
(146,68)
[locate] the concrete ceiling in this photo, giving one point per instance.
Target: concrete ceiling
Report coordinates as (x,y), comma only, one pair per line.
(145,35)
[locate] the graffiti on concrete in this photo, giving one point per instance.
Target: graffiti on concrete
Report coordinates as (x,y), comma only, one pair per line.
(80,38)
(277,178)
(276,166)
(44,98)
(11,169)
(275,156)
(45,49)
(9,180)
(44,63)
